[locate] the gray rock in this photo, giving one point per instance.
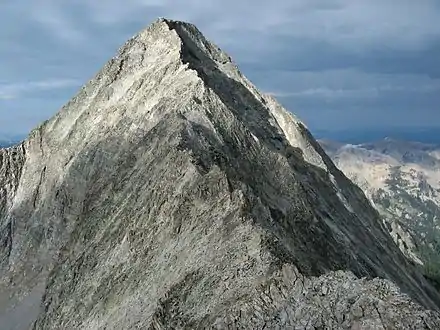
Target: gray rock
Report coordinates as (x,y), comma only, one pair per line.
(169,193)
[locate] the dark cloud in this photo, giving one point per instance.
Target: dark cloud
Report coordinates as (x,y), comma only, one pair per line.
(334,62)
(300,54)
(338,110)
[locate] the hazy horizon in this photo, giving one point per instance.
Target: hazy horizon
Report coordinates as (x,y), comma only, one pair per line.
(428,135)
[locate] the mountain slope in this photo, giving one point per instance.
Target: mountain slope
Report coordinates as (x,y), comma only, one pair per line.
(170,193)
(403,181)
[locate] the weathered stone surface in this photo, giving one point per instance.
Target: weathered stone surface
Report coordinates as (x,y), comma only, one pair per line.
(170,193)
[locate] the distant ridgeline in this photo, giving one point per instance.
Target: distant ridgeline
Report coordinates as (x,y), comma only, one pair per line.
(7,142)
(357,136)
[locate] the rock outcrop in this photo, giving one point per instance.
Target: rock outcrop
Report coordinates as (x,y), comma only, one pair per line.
(169,193)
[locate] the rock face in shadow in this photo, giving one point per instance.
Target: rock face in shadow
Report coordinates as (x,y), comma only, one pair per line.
(169,193)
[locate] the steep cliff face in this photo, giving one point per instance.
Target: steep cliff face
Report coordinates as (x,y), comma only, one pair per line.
(11,163)
(171,193)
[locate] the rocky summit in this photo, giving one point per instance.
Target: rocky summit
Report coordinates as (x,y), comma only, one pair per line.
(170,193)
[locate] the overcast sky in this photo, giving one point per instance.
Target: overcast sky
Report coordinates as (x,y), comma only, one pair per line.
(335,63)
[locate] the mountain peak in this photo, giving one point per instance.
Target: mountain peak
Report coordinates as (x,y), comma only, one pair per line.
(171,193)
(193,45)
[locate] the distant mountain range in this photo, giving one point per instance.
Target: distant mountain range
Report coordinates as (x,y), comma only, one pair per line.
(9,140)
(402,180)
(407,134)
(429,135)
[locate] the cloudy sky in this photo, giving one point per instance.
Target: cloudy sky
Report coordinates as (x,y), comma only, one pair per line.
(337,64)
